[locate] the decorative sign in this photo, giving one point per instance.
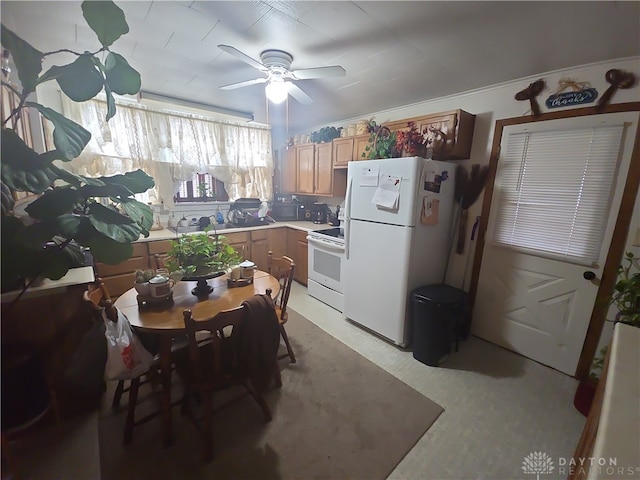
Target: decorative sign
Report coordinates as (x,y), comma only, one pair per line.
(581,92)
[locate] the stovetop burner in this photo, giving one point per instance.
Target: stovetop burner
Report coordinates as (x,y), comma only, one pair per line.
(331,232)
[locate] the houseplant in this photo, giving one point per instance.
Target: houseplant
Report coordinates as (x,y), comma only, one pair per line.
(141,281)
(200,256)
(71,211)
(382,142)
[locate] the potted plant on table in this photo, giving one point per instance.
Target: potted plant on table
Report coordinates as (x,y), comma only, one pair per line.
(141,281)
(199,257)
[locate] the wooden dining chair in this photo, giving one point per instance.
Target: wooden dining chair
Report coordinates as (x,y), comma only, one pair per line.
(99,299)
(282,268)
(161,260)
(214,365)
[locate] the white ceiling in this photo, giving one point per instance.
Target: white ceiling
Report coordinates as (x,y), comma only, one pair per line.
(394,52)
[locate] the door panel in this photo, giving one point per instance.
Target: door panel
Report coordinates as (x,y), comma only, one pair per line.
(324,169)
(306,171)
(540,306)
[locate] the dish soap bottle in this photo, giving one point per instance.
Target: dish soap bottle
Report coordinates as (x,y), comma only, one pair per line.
(219,217)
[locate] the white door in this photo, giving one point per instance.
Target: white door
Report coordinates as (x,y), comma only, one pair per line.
(532,298)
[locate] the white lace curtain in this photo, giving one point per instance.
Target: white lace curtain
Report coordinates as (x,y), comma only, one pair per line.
(172,147)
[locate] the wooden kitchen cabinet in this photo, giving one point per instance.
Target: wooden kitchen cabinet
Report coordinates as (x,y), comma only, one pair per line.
(278,241)
(342,151)
(315,174)
(346,149)
(159,246)
(119,278)
(452,132)
(289,170)
(260,247)
(241,241)
(297,247)
(323,173)
(306,168)
(360,142)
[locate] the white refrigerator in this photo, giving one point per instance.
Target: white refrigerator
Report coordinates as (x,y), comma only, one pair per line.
(398,219)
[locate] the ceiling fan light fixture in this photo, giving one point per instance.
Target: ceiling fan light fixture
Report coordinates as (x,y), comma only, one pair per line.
(276,90)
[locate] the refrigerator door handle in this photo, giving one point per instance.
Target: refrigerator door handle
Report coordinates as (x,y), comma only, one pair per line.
(347,218)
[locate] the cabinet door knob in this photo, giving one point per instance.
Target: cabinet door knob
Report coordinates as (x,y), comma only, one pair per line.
(589,275)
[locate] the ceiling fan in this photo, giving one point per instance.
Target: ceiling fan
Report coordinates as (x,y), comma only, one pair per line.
(276,65)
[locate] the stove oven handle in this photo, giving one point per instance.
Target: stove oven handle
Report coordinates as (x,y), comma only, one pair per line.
(325,245)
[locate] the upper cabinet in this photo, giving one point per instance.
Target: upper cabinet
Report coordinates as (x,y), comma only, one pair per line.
(346,149)
(451,132)
(289,170)
(323,174)
(308,170)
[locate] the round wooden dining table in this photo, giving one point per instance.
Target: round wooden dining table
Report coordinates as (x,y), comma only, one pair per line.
(166,320)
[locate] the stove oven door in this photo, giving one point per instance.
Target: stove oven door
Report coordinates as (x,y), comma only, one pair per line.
(326,263)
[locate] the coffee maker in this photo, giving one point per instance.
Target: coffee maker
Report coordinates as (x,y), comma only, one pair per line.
(319,213)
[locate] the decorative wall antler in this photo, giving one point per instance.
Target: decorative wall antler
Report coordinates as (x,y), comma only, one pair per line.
(617,79)
(530,93)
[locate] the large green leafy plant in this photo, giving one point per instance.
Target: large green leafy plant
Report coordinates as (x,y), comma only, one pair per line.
(200,254)
(72,211)
(382,142)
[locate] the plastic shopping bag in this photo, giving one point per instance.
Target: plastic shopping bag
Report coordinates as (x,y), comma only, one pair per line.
(126,357)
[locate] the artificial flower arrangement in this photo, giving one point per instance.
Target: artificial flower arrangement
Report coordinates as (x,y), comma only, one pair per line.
(412,142)
(383,143)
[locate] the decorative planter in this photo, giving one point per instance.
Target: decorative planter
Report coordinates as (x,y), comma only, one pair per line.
(143,289)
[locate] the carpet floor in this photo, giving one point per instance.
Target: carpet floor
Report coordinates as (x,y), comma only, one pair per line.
(337,416)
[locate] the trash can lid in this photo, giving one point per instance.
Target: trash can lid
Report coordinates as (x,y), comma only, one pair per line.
(440,293)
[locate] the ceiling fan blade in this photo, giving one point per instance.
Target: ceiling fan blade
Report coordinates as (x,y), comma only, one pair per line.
(243,84)
(245,58)
(297,93)
(319,72)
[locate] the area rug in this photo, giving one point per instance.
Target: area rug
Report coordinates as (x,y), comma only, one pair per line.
(336,416)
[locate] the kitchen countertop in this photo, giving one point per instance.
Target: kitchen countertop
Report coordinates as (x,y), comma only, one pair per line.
(166,234)
(75,276)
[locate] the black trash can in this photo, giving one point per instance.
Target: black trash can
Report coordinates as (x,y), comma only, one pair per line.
(438,316)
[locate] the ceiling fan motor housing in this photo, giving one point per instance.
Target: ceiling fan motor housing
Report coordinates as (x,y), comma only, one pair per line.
(276,60)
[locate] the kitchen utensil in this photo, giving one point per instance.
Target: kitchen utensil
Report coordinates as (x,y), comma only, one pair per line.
(160,286)
(247,269)
(204,222)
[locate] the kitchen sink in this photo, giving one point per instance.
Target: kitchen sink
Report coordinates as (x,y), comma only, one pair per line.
(196,228)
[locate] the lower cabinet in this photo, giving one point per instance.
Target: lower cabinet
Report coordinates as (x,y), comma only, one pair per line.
(241,241)
(260,248)
(278,242)
(297,249)
(119,278)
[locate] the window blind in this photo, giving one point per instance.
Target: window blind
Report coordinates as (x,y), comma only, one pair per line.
(556,189)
